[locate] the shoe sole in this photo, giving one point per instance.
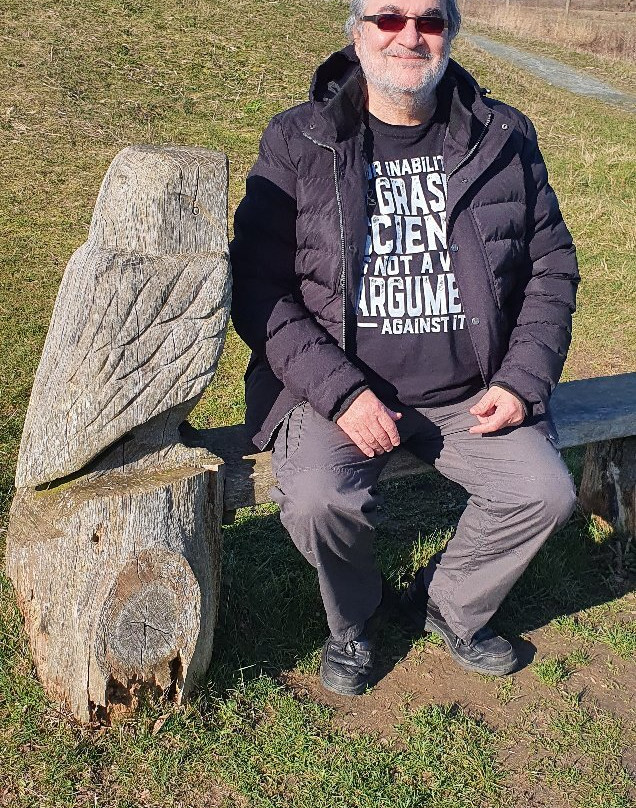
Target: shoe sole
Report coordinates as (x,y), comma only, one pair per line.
(426,624)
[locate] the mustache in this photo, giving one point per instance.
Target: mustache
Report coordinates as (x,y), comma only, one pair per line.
(411,54)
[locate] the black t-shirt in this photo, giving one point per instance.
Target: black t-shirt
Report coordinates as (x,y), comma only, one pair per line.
(412,337)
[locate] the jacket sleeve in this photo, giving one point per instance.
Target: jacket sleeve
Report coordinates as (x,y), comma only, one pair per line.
(542,332)
(267,308)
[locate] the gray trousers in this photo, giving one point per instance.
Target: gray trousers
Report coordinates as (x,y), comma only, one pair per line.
(520,491)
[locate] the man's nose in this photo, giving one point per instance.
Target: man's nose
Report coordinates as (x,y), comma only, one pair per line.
(409,35)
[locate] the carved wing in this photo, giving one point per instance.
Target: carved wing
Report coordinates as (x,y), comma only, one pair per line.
(130,337)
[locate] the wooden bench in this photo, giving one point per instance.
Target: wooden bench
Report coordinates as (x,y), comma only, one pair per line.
(599,413)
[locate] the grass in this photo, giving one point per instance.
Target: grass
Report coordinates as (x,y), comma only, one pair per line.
(507,689)
(554,670)
(79,82)
(587,31)
(577,750)
(596,625)
(266,748)
(618,73)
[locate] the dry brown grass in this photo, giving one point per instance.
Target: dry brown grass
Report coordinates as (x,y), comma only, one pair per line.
(609,31)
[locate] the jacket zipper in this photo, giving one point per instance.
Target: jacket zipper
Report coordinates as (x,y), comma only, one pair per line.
(474,148)
(343,247)
(459,165)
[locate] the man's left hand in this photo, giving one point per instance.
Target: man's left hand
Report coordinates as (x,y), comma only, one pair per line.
(495,410)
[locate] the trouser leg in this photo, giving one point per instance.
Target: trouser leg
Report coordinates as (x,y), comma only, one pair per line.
(520,492)
(328,503)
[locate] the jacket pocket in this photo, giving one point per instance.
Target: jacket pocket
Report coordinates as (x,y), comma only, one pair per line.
(501,246)
(487,267)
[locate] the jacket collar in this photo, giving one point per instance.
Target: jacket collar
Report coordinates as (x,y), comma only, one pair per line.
(338,93)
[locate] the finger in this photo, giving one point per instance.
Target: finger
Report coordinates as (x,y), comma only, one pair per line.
(356,438)
(490,424)
(382,437)
(390,429)
(370,438)
(362,444)
(485,408)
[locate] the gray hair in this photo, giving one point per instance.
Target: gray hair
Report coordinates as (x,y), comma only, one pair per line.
(357,9)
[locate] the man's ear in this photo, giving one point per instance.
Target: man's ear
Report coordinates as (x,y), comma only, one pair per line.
(355,37)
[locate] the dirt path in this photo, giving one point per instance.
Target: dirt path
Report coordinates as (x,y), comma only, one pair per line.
(555,72)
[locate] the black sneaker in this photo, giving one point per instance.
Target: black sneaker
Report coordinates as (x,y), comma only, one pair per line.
(347,668)
(486,653)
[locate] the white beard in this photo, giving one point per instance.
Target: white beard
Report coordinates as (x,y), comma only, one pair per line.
(388,85)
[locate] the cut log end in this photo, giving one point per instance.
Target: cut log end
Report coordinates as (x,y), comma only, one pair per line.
(149,620)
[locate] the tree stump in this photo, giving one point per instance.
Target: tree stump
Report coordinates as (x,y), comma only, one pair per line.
(115,529)
(608,486)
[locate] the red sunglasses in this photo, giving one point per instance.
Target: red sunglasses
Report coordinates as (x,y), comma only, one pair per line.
(396,22)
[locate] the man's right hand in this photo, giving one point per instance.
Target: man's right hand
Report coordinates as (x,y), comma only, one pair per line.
(370,425)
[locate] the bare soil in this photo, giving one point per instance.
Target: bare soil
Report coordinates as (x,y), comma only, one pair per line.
(428,676)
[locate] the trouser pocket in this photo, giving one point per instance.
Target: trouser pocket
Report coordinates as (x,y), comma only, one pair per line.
(288,440)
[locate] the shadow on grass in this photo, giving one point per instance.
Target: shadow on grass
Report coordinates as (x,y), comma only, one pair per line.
(271,617)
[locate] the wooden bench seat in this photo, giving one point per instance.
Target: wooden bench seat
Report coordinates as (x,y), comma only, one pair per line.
(589,411)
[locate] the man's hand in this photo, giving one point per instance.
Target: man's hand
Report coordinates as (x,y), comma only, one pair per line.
(370,425)
(495,410)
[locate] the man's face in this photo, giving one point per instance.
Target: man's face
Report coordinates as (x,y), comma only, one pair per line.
(404,61)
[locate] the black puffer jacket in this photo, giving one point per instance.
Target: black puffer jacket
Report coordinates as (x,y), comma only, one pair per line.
(300,236)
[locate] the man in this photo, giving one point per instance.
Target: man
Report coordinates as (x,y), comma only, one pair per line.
(403,276)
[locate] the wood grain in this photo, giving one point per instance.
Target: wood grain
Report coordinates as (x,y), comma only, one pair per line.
(139,321)
(118,582)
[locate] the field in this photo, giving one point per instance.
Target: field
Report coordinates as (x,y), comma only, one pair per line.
(79,82)
(603,29)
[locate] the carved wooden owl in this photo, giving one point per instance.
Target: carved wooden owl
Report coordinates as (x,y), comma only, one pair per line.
(140,316)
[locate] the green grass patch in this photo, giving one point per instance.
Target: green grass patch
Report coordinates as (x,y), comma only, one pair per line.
(583,760)
(601,623)
(552,671)
(266,748)
(507,689)
(555,670)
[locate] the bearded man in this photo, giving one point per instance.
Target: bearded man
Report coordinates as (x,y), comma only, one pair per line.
(403,276)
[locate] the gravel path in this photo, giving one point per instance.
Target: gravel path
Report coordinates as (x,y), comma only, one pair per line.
(555,72)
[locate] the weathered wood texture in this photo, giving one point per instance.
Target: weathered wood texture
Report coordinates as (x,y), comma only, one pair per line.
(140,317)
(584,411)
(118,582)
(608,486)
(590,410)
(115,529)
